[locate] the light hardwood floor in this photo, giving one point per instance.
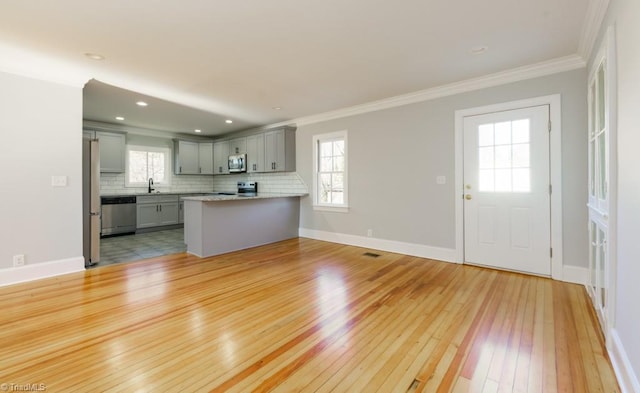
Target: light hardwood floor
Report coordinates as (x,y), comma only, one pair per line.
(301,315)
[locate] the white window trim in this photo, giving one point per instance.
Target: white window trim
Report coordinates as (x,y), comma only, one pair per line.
(342,208)
(167,165)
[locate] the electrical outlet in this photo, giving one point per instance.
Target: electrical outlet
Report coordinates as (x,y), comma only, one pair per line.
(18,260)
(369,232)
(441,180)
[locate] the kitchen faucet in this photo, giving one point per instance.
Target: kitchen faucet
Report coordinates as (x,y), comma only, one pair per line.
(150,184)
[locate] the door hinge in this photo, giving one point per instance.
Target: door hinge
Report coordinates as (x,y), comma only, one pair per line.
(549,125)
(551,252)
(550,189)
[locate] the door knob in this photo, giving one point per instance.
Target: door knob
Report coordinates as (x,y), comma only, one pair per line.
(467,197)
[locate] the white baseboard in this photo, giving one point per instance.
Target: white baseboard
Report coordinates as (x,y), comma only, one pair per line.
(575,274)
(37,271)
(418,250)
(627,379)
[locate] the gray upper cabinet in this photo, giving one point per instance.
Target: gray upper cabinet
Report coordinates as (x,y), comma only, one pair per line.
(193,158)
(255,153)
(280,150)
(238,146)
(205,158)
(221,158)
(112,151)
(269,151)
(186,158)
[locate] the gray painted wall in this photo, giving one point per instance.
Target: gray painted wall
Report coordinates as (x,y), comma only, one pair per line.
(395,155)
(41,128)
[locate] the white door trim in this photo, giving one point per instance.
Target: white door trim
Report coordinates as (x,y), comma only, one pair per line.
(555,176)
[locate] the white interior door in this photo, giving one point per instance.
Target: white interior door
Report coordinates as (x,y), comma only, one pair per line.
(507,190)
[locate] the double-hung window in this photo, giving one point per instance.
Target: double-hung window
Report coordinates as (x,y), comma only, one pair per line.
(330,171)
(147,162)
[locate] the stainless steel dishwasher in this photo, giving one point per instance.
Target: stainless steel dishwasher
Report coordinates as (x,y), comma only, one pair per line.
(118,215)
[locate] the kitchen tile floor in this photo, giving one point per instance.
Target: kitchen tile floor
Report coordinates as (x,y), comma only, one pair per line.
(129,248)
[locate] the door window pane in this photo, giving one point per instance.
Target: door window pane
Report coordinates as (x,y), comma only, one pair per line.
(485,180)
(602,180)
(485,135)
(600,101)
(503,133)
(504,157)
(486,157)
(520,155)
(520,131)
(503,180)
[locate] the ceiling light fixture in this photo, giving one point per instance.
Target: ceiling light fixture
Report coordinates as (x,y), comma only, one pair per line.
(141,103)
(119,118)
(94,56)
(276,108)
(197,131)
(228,121)
(478,50)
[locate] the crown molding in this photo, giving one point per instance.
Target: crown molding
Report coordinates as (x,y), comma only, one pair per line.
(554,66)
(596,11)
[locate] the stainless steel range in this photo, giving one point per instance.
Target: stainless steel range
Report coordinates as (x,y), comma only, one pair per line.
(247,188)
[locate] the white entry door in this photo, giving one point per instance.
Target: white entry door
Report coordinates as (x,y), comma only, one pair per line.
(507,221)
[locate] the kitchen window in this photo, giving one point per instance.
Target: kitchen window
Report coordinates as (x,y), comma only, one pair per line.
(330,172)
(145,162)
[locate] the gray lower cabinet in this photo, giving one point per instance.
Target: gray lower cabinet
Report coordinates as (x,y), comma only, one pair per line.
(157,210)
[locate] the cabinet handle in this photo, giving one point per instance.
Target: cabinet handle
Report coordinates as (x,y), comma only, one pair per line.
(156,208)
(161,208)
(180,169)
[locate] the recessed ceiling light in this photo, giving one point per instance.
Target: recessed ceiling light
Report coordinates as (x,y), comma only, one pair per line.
(141,103)
(228,121)
(276,108)
(119,118)
(478,50)
(198,131)
(94,56)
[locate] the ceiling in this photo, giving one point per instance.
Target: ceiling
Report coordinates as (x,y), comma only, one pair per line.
(240,60)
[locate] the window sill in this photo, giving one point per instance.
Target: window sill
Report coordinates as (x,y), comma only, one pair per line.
(334,209)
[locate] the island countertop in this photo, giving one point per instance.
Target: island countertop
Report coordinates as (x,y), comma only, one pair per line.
(236,197)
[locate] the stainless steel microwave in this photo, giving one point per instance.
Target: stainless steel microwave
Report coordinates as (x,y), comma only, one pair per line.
(237,163)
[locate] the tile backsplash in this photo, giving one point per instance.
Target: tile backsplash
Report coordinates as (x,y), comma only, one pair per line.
(286,182)
(281,182)
(113,184)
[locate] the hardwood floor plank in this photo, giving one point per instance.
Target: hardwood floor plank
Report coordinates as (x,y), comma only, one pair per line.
(301,315)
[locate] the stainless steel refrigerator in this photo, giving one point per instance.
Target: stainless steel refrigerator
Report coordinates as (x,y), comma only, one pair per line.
(91,200)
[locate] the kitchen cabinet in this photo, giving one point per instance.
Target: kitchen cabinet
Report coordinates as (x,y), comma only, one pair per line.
(157,210)
(112,151)
(221,158)
(255,153)
(193,158)
(205,158)
(186,157)
(280,150)
(238,146)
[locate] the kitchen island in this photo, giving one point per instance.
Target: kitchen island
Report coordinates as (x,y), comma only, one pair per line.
(217,224)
